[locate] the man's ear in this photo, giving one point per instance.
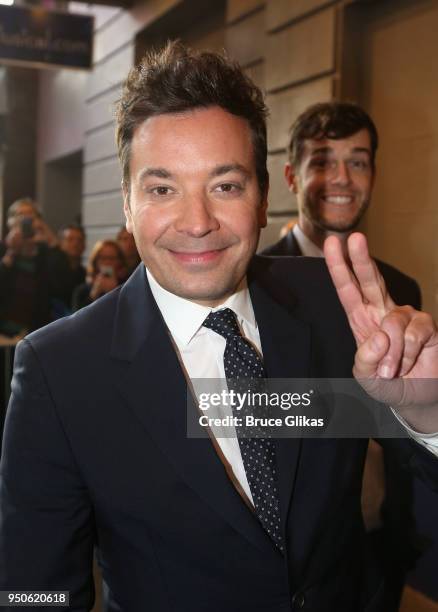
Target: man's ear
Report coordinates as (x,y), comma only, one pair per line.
(127,207)
(291,177)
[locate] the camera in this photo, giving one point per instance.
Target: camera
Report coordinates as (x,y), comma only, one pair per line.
(27,228)
(107,271)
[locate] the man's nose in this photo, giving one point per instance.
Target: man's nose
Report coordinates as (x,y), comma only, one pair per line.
(196,217)
(341,174)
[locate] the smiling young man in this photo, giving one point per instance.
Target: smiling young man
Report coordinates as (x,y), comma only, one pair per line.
(332,179)
(96,452)
(331,170)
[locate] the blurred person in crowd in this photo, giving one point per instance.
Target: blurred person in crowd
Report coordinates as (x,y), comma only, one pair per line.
(72,243)
(331,171)
(26,208)
(106,270)
(126,242)
(34,273)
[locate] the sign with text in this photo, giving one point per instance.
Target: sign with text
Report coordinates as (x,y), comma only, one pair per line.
(32,36)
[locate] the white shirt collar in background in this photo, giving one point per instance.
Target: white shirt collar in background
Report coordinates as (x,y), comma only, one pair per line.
(307,247)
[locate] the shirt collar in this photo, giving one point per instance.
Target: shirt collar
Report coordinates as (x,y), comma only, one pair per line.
(184,318)
(307,247)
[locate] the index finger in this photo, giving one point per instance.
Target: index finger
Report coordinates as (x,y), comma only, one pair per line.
(343,278)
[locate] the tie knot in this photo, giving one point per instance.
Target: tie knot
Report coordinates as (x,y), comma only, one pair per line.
(223,322)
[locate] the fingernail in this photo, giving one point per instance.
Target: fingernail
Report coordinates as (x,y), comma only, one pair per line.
(385,371)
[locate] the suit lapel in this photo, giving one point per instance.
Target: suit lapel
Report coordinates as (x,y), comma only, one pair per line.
(286,353)
(151,379)
(293,248)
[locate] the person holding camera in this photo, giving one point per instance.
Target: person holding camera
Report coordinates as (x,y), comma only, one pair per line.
(105,271)
(33,271)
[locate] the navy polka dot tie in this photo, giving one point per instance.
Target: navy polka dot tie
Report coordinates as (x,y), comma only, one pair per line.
(241,361)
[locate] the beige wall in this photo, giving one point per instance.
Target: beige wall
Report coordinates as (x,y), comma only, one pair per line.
(401,92)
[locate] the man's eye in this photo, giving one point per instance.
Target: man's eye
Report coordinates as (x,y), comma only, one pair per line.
(359,164)
(320,163)
(228,188)
(161,190)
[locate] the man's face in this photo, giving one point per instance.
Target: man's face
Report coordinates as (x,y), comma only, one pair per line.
(333,182)
(72,242)
(25,209)
(194,205)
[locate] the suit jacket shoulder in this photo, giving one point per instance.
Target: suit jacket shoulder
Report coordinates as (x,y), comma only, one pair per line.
(402,288)
(302,287)
(285,246)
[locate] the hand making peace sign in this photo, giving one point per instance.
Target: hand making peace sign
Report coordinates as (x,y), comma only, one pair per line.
(393,342)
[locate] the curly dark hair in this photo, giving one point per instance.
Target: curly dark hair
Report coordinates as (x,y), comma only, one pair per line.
(334,120)
(177,79)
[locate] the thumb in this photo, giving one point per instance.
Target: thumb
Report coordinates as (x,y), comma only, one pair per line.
(369,355)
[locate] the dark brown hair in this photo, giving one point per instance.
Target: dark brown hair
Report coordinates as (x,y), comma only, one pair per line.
(177,79)
(334,120)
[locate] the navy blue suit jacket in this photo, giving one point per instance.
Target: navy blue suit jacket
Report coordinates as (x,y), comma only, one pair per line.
(402,288)
(96,453)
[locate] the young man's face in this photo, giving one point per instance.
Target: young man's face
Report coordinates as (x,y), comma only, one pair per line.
(333,182)
(194,205)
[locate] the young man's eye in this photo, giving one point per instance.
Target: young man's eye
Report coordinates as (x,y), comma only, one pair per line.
(320,163)
(359,164)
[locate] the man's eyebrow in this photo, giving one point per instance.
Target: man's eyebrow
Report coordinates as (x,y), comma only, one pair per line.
(156,172)
(225,168)
(217,171)
(327,150)
(362,150)
(321,150)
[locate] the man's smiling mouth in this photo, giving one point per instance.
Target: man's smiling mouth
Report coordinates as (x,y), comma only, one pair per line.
(197,256)
(340,200)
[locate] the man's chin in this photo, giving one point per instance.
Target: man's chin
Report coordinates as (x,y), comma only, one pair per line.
(207,294)
(340,228)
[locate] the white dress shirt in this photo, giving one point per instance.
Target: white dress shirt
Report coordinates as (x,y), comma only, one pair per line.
(194,342)
(310,249)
